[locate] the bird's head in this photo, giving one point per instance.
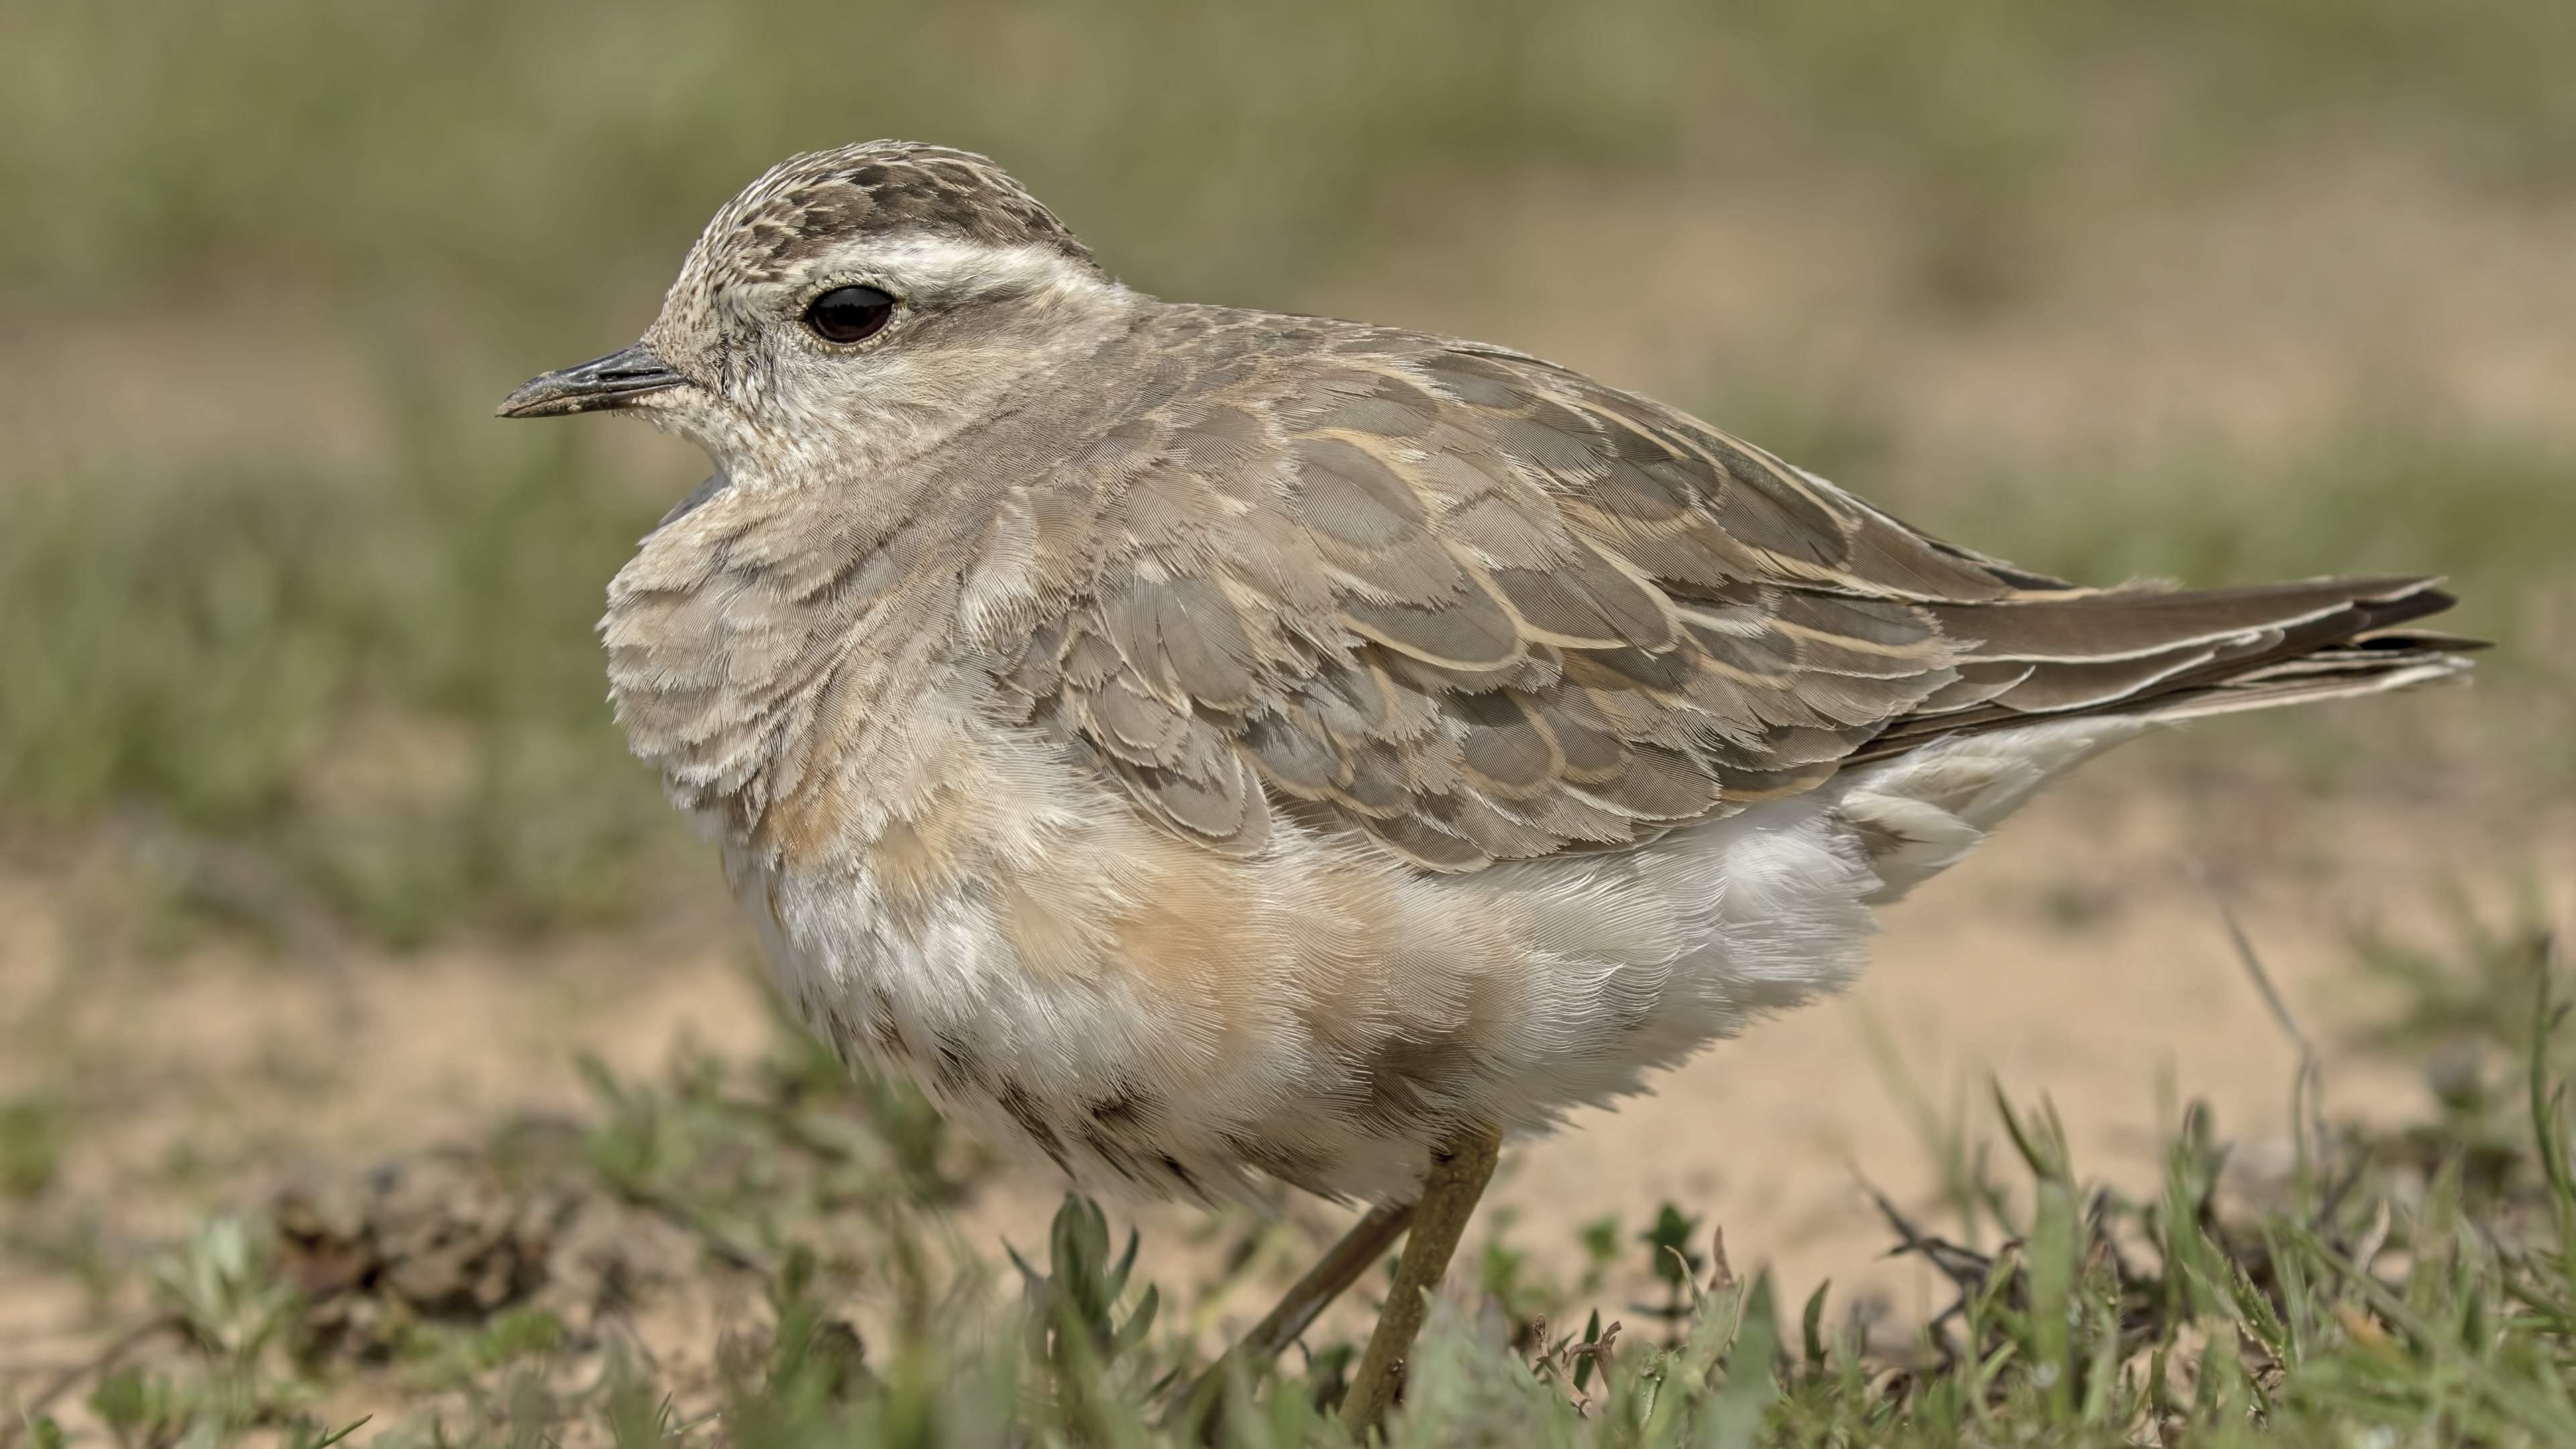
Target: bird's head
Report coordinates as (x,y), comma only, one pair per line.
(849,308)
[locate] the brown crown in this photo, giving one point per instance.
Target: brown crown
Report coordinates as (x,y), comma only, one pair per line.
(878,188)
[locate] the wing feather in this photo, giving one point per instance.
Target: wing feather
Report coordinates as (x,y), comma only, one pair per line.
(1477,607)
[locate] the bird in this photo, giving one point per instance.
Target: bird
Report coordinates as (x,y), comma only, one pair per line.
(1221,749)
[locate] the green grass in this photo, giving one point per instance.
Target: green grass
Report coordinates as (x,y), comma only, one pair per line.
(391,690)
(544,161)
(373,695)
(2402,1288)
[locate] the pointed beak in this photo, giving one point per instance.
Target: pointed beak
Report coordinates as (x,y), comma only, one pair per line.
(614,381)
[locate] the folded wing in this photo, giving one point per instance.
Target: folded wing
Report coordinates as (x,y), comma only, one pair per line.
(1481,608)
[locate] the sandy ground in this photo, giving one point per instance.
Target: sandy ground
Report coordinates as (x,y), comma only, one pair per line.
(2076,958)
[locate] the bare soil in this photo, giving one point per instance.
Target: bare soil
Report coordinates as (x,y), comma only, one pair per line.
(2078,958)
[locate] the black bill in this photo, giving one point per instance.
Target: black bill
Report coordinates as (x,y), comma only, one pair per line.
(601,383)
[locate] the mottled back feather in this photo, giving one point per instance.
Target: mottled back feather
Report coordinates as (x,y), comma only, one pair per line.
(1481,608)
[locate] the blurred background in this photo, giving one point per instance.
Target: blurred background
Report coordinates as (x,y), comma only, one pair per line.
(2213,290)
(316,836)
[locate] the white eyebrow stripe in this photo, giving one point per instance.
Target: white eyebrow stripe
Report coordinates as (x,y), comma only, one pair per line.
(930,262)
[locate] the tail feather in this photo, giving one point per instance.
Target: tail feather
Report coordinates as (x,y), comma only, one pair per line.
(2179,655)
(2059,679)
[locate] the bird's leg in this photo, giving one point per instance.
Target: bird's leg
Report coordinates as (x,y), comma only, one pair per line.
(1337,1270)
(1449,1193)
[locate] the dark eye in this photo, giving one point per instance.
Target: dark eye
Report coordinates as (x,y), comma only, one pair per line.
(850,314)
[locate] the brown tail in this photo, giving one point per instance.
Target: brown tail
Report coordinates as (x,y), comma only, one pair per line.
(2179,655)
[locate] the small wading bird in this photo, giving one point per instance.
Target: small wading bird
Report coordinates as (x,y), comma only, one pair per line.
(1210,745)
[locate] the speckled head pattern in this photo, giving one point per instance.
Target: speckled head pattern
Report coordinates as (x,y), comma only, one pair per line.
(823,199)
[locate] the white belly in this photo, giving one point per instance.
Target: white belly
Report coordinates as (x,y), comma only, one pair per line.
(1157,1018)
